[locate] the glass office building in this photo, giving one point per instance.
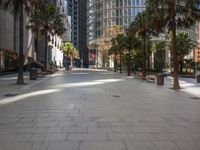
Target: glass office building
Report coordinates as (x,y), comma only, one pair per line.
(104,13)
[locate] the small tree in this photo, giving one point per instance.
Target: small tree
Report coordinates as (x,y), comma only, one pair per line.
(70,51)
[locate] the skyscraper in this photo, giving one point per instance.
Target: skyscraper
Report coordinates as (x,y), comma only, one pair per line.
(77,10)
(103,14)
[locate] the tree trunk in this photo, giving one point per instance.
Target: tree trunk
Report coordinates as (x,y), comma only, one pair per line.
(46,51)
(115,63)
(144,58)
(68,60)
(148,60)
(15,32)
(20,79)
(176,85)
(120,57)
(129,62)
(36,44)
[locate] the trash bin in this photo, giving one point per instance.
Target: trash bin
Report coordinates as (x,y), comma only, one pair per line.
(33,74)
(198,77)
(160,79)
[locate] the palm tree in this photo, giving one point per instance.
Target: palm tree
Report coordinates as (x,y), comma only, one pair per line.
(58,25)
(173,14)
(45,19)
(141,26)
(184,46)
(117,49)
(74,54)
(114,50)
(17,7)
(68,49)
(35,21)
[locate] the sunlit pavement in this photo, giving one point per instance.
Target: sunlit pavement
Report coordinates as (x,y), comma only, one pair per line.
(99,110)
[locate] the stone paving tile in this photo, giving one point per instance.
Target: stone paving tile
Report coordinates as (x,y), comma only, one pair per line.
(86,124)
(87,137)
(16,131)
(99,130)
(121,129)
(113,124)
(166,145)
(174,137)
(55,129)
(15,138)
(149,124)
(47,124)
(81,119)
(74,130)
(44,119)
(38,137)
(177,129)
(67,124)
(56,137)
(63,146)
(148,129)
(40,146)
(188,145)
(24,125)
(141,145)
(118,137)
(196,135)
(27,120)
(141,137)
(16,146)
(41,130)
(102,146)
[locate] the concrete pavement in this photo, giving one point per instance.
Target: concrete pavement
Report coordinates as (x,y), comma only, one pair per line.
(99,110)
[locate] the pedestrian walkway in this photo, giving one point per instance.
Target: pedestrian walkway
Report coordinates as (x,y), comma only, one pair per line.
(99,110)
(188,85)
(9,87)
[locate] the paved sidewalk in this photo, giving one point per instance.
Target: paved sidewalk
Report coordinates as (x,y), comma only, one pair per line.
(188,85)
(8,84)
(99,110)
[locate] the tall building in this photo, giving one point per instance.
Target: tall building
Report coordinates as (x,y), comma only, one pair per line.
(77,10)
(9,40)
(103,14)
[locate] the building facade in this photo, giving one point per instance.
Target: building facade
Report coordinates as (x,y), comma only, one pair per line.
(9,40)
(105,13)
(77,10)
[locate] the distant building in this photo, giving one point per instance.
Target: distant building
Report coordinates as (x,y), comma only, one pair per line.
(77,10)
(103,14)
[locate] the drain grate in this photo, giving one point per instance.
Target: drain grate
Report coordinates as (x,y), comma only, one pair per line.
(116,96)
(195,98)
(11,95)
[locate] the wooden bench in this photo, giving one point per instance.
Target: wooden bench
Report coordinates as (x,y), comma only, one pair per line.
(151,78)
